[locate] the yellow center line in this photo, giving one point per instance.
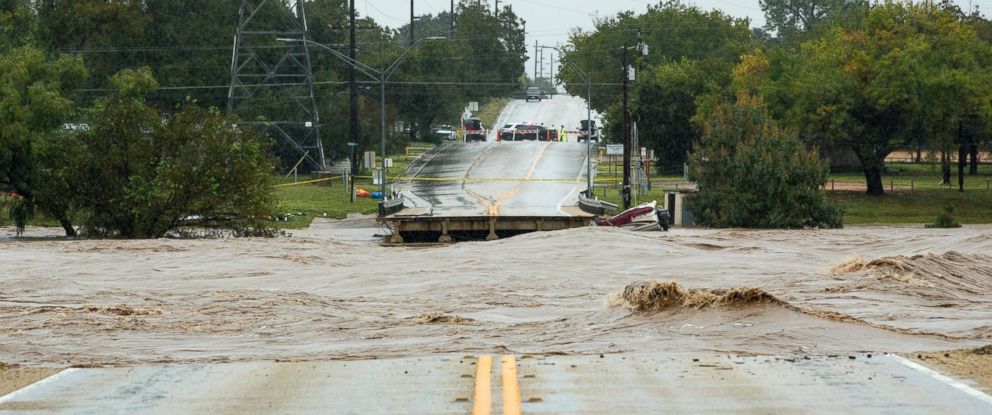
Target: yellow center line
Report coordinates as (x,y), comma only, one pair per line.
(511,389)
(483,401)
(494,210)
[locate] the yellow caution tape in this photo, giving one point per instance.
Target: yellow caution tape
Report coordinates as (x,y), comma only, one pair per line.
(308,182)
(487,179)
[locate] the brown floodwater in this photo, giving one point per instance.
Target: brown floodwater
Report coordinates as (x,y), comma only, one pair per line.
(333,292)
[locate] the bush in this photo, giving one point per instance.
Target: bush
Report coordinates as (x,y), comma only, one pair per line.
(138,173)
(946,219)
(754,174)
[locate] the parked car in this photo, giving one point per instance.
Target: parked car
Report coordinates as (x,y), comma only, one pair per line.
(534,93)
(445,131)
(474,130)
(585,133)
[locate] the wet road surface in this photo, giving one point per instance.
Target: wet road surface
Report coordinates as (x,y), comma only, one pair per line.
(522,178)
(554,112)
(508,384)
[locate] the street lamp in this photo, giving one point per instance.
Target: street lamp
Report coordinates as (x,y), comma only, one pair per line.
(382,77)
(585,77)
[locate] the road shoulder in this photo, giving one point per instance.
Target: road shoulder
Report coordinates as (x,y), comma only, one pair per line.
(971,364)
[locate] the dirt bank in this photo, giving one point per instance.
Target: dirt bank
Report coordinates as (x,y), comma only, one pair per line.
(14,378)
(970,364)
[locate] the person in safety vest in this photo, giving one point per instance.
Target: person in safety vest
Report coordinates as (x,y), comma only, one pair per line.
(562,135)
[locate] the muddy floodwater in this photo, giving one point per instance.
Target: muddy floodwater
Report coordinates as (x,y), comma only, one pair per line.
(333,293)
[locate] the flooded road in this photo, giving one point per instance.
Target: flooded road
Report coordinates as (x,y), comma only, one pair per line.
(333,293)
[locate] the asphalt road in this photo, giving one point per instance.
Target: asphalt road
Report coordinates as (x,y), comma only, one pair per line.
(509,179)
(557,111)
(612,384)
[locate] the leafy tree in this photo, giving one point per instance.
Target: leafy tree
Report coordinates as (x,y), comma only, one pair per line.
(796,20)
(673,32)
(18,24)
(33,108)
(911,71)
(665,105)
(754,174)
(145,174)
(106,31)
(188,45)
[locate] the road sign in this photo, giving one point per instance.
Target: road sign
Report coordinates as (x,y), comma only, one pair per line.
(614,149)
(473,106)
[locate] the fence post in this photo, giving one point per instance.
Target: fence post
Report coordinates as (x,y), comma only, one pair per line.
(912,184)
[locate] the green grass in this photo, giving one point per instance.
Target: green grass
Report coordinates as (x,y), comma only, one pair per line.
(921,206)
(489,112)
(918,176)
(305,202)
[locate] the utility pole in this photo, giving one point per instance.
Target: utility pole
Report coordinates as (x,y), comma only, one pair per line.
(536,51)
(411,24)
(625,192)
(353,128)
(552,76)
(451,32)
(541,64)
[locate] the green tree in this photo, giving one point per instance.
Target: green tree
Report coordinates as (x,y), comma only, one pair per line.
(754,174)
(911,71)
(796,20)
(187,44)
(33,108)
(145,174)
(666,102)
(673,32)
(105,31)
(18,24)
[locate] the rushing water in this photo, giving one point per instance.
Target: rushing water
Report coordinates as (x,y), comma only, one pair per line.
(334,293)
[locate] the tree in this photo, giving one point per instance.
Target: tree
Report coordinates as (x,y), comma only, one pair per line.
(144,174)
(106,31)
(910,71)
(673,31)
(666,102)
(18,24)
(754,174)
(796,20)
(33,108)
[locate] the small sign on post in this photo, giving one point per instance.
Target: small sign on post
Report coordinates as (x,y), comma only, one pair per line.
(377,177)
(389,163)
(473,106)
(614,149)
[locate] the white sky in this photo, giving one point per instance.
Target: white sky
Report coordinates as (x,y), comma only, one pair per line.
(550,21)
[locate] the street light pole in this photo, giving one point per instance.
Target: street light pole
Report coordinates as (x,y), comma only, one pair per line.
(381,76)
(585,77)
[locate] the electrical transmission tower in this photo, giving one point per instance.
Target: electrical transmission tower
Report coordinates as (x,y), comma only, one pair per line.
(271,77)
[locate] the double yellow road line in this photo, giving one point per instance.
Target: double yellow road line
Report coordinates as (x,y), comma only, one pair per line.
(482,404)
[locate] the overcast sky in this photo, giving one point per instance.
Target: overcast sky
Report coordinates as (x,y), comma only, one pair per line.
(551,21)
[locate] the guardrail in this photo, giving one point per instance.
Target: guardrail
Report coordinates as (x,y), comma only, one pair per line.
(596,206)
(389,207)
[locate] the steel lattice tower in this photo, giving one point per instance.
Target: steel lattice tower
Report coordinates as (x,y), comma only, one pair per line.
(271,80)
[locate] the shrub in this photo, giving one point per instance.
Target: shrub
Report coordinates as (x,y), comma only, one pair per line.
(754,174)
(946,219)
(138,173)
